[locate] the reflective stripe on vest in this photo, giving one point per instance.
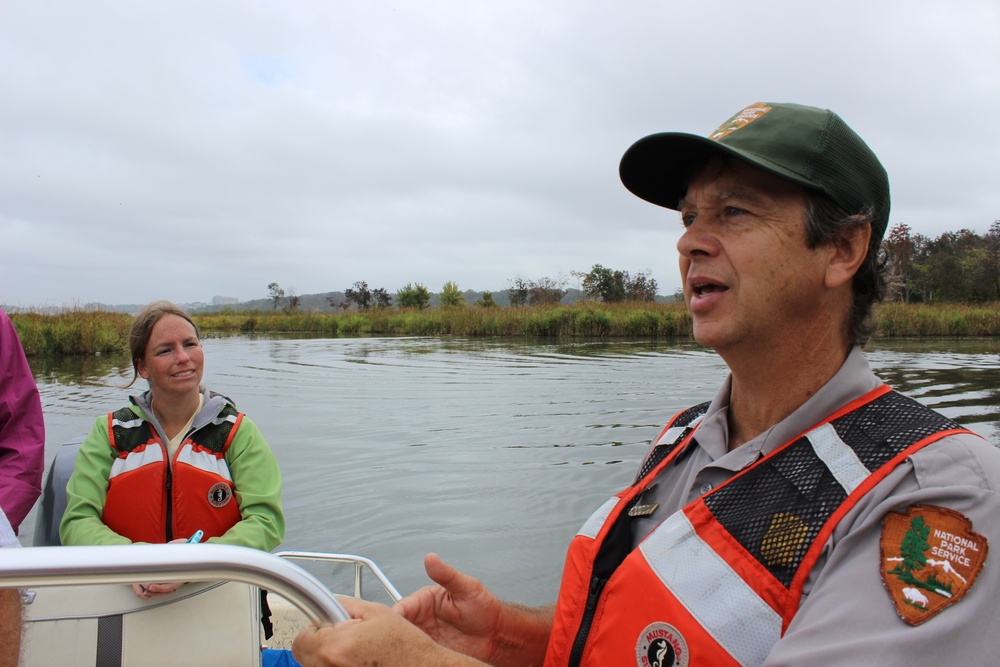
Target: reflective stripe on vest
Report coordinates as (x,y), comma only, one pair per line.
(202,460)
(597,519)
(673,435)
(709,588)
(842,462)
(136,459)
(229,416)
(116,421)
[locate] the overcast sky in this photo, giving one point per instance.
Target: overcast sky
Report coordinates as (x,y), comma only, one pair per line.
(189,149)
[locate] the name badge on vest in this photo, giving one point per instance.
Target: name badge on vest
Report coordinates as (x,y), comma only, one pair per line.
(642,510)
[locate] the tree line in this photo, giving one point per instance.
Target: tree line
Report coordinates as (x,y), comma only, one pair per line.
(956,267)
(600,284)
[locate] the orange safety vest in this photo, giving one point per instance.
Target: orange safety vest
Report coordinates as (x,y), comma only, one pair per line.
(149,500)
(717,583)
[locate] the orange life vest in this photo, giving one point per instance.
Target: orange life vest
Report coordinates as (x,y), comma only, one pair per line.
(718,582)
(149,500)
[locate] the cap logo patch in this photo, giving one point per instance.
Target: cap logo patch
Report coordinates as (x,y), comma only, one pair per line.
(930,559)
(219,495)
(740,120)
(661,645)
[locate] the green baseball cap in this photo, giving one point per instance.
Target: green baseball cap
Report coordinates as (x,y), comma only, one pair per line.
(812,147)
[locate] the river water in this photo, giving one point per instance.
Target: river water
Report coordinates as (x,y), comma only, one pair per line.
(491,452)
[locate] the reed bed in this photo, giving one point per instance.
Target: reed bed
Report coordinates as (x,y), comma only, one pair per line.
(590,320)
(923,320)
(267,322)
(98,332)
(73,332)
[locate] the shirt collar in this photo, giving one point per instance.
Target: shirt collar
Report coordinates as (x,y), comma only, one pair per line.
(854,379)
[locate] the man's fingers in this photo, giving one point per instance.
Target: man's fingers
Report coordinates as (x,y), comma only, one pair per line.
(307,646)
(419,605)
(357,608)
(457,583)
(408,608)
(424,602)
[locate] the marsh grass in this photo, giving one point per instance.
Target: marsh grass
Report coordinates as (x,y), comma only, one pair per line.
(253,321)
(98,332)
(73,332)
(922,320)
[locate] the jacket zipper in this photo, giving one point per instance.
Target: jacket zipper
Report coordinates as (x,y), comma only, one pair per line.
(170,504)
(596,586)
(170,484)
(611,553)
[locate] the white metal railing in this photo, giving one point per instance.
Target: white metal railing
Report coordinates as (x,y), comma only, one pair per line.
(127,564)
(359,563)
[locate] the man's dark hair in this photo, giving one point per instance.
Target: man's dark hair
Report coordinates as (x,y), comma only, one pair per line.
(825,221)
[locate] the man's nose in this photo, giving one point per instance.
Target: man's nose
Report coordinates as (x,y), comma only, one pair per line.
(697,239)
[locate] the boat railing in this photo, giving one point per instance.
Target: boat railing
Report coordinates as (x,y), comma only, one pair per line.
(127,564)
(360,565)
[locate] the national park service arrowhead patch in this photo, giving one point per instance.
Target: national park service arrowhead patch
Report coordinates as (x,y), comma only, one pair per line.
(740,120)
(930,559)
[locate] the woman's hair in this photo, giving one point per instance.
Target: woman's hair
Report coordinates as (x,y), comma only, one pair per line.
(825,222)
(142,329)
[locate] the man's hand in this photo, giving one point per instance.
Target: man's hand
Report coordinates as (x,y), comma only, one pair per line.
(459,613)
(375,635)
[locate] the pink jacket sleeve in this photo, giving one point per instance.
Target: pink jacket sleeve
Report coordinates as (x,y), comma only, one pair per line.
(22,429)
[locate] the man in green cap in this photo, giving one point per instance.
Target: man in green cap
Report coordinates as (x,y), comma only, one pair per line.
(808,514)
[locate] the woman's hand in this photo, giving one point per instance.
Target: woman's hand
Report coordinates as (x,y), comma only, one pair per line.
(149,591)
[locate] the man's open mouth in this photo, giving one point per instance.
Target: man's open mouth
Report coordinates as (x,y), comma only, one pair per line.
(704,289)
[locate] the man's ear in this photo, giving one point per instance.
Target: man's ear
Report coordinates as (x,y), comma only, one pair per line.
(850,249)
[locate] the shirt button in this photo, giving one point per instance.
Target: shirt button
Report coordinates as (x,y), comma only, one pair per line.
(705,488)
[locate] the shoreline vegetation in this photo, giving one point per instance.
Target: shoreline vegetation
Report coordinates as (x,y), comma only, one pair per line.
(102,332)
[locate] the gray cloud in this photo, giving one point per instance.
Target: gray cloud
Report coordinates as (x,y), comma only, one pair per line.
(190,149)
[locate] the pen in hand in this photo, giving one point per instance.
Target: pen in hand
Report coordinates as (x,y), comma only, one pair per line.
(196,538)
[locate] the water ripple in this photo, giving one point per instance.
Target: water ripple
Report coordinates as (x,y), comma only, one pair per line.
(490,451)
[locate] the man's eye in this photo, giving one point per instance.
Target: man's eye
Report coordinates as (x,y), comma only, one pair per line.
(734,210)
(687,219)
